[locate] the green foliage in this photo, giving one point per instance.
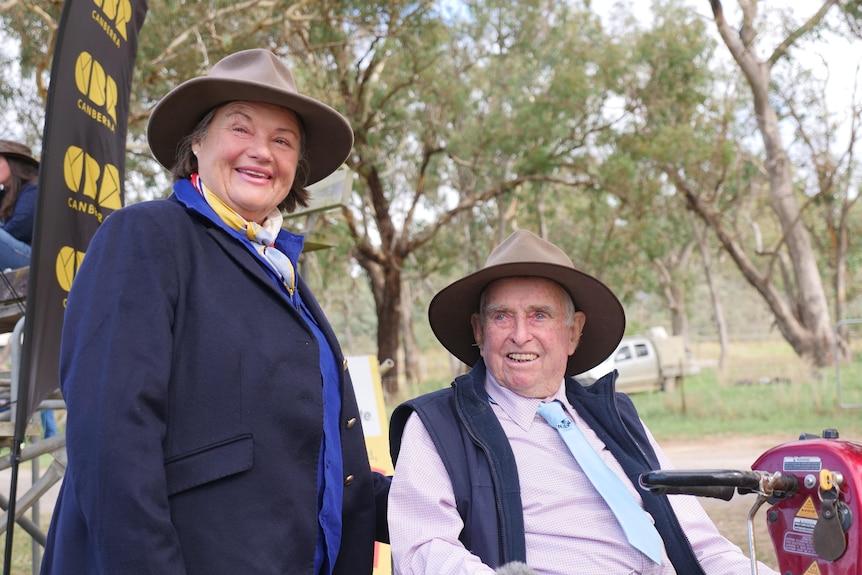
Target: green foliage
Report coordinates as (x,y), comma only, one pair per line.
(703,407)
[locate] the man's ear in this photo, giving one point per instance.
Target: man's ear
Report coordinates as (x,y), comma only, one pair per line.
(578,324)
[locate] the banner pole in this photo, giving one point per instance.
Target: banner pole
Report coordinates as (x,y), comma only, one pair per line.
(10,513)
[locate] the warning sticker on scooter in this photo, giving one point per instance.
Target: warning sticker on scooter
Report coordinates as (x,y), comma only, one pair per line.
(804,525)
(799,543)
(806,517)
(808,510)
(802,464)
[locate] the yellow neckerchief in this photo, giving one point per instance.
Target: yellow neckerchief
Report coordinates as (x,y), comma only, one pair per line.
(263,236)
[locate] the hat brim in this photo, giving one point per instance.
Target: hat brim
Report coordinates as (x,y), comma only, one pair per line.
(328,135)
(22,157)
(450,311)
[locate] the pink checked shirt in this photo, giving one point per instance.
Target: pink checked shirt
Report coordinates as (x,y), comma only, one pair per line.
(569,528)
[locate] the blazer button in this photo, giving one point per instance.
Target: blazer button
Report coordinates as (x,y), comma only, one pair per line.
(350,422)
(344,364)
(348,480)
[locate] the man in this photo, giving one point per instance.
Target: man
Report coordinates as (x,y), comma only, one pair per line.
(483,482)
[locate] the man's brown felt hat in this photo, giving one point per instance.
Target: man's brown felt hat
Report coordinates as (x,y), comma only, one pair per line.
(525,254)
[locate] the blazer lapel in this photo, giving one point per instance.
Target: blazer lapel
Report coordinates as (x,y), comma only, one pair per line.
(246,260)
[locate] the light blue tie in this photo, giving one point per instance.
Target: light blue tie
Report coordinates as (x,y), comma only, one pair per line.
(639,530)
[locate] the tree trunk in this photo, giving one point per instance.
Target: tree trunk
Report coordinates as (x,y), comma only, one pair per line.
(408,344)
(841,252)
(673,288)
(388,323)
(712,282)
(805,322)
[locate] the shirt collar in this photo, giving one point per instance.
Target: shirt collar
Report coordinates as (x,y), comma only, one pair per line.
(228,215)
(522,410)
(288,242)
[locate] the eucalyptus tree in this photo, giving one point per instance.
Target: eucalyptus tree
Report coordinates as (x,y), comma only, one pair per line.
(665,83)
(453,105)
(801,312)
(825,148)
(719,144)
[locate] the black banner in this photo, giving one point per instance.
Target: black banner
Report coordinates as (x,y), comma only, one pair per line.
(82,172)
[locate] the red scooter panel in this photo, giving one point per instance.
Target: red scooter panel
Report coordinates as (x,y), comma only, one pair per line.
(817,530)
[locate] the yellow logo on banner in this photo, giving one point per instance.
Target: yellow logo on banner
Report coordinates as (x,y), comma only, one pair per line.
(83,174)
(68,261)
(813,570)
(365,375)
(100,88)
(120,11)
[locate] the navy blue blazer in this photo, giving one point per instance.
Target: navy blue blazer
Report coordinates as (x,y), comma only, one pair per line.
(195,412)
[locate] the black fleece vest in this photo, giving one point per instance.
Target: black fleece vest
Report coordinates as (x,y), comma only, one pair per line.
(482,468)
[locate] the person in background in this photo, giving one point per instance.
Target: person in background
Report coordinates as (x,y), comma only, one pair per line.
(19,182)
(212,426)
(19,186)
(485,479)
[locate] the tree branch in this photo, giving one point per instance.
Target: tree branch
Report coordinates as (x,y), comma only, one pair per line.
(781,50)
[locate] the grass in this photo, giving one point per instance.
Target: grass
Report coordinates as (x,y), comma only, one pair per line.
(22,562)
(765,389)
(702,406)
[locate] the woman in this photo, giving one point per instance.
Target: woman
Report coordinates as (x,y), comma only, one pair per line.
(19,175)
(212,425)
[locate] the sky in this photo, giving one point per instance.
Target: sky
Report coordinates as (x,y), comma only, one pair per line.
(843,57)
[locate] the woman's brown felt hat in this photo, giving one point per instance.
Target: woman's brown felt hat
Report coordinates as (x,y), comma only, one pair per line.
(12,149)
(254,76)
(525,254)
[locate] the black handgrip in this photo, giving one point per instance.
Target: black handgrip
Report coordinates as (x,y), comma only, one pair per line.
(701,481)
(701,478)
(717,492)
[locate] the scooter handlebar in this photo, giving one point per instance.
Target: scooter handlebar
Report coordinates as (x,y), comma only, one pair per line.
(718,483)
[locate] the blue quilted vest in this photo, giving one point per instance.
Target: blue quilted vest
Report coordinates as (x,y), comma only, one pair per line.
(482,468)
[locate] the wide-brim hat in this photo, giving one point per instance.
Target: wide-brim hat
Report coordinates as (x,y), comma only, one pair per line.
(255,76)
(12,149)
(525,254)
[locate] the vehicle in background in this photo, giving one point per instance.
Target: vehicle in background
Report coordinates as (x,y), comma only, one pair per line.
(645,363)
